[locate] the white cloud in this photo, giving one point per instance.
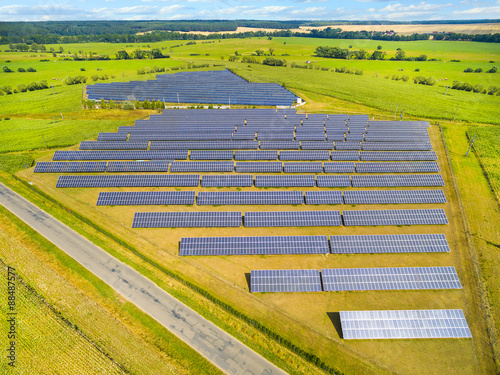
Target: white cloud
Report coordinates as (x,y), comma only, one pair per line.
(490,12)
(422,7)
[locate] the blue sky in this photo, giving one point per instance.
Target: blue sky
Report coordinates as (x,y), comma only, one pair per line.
(399,10)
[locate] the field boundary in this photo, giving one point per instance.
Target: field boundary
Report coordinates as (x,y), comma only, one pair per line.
(483,294)
(309,357)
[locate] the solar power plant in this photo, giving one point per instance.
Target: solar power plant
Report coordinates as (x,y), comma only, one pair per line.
(112,137)
(338,117)
(354,137)
(324,197)
(344,155)
(138,166)
(271,245)
(347,146)
(396,138)
(275,136)
(304,155)
(178,136)
(397,156)
(211,155)
(395,146)
(334,181)
(262,281)
(285,181)
(129,181)
(339,137)
(186,219)
(202,166)
(317,145)
(398,167)
(404,324)
(137,198)
(399,124)
(120,155)
(389,243)
(204,145)
(394,196)
(293,219)
(303,167)
(112,145)
(360,118)
(279,145)
(393,278)
(259,167)
(395,217)
(70,167)
(226,181)
(397,180)
(243,136)
(256,155)
(310,136)
(249,197)
(336,167)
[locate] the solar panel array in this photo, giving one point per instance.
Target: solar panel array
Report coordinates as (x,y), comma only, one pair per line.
(128,181)
(250,197)
(121,155)
(399,167)
(285,181)
(262,281)
(389,243)
(136,198)
(339,167)
(69,167)
(396,180)
(259,167)
(334,181)
(395,217)
(394,278)
(304,155)
(256,155)
(110,145)
(267,245)
(211,155)
(138,166)
(394,196)
(293,219)
(202,166)
(226,181)
(404,324)
(303,167)
(186,219)
(397,155)
(324,197)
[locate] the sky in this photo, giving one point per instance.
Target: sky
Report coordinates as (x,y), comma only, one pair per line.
(399,10)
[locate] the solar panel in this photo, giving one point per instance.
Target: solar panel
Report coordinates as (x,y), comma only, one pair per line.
(354,137)
(256,155)
(112,136)
(121,155)
(303,167)
(404,324)
(186,219)
(211,155)
(262,281)
(397,180)
(285,181)
(202,166)
(279,145)
(226,181)
(339,167)
(203,145)
(317,145)
(324,197)
(259,167)
(334,181)
(397,156)
(136,198)
(394,196)
(347,146)
(388,146)
(250,197)
(320,136)
(389,243)
(112,145)
(129,181)
(336,136)
(69,167)
(180,136)
(138,166)
(254,245)
(391,278)
(304,155)
(243,136)
(345,155)
(288,136)
(374,137)
(395,217)
(398,167)
(292,219)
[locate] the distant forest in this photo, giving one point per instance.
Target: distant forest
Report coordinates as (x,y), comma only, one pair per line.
(63,32)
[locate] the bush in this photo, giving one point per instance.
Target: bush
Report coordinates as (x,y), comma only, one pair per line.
(31,70)
(478,70)
(417,69)
(493,70)
(21,70)
(405,78)
(468,70)
(271,61)
(128,105)
(421,80)
(6,69)
(454,60)
(74,80)
(22,88)
(82,69)
(492,90)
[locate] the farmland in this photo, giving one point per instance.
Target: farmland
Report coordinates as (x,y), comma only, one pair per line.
(35,128)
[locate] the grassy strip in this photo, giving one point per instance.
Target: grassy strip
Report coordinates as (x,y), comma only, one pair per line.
(15,162)
(482,290)
(310,357)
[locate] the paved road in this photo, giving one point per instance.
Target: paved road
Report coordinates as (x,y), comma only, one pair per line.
(220,348)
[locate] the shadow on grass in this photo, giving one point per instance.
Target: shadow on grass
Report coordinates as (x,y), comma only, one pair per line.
(335,319)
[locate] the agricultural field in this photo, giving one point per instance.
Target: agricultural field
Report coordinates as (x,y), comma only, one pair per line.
(36,123)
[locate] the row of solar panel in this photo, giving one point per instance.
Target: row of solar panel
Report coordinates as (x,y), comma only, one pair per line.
(270,197)
(191,180)
(354,279)
(289,218)
(248,155)
(277,245)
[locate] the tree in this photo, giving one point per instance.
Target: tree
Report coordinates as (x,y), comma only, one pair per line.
(122,55)
(259,52)
(138,54)
(361,54)
(400,55)
(379,47)
(377,55)
(421,58)
(271,51)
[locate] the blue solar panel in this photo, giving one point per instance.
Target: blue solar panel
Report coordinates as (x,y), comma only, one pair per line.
(128,181)
(279,145)
(395,217)
(398,156)
(69,167)
(334,181)
(317,145)
(138,166)
(337,167)
(392,243)
(112,137)
(262,281)
(336,136)
(292,219)
(186,219)
(227,181)
(394,196)
(256,155)
(398,167)
(324,197)
(345,155)
(211,155)
(396,146)
(285,136)
(254,245)
(285,181)
(250,197)
(204,145)
(180,136)
(202,166)
(121,155)
(397,180)
(259,167)
(320,136)
(113,145)
(303,167)
(136,198)
(304,155)
(347,146)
